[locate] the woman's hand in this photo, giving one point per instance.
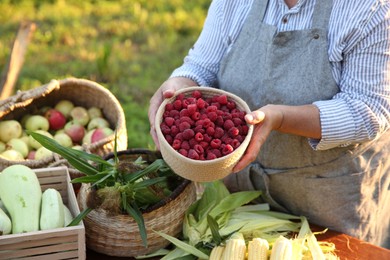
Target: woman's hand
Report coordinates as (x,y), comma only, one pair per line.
(299,120)
(166,90)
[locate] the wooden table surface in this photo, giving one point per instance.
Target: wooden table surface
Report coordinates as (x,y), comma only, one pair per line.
(347,248)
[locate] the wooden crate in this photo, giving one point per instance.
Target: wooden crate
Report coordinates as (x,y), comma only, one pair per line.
(59,243)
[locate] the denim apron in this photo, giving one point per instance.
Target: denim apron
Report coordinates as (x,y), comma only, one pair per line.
(345,189)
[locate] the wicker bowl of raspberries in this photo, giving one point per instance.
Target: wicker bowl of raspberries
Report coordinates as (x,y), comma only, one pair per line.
(202,132)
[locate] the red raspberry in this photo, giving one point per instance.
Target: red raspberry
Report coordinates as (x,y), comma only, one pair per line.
(199,149)
(211,109)
(222,99)
(192,142)
(169,121)
(210,131)
(196,94)
(235,143)
(217,152)
(168,107)
(231,105)
(176,144)
(212,116)
(166,130)
(215,143)
(185,145)
(207,138)
(183,152)
(200,103)
(199,129)
(199,137)
(237,121)
(174,130)
(219,121)
(211,156)
(192,154)
(181,96)
(227,149)
(204,144)
(185,103)
(174,113)
(177,104)
(195,116)
(169,139)
(186,119)
(184,113)
(219,132)
(183,126)
(233,132)
(244,130)
(228,124)
(192,108)
(188,134)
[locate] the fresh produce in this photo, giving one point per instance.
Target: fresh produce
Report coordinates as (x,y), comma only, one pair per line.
(52,210)
(220,224)
(203,128)
(117,186)
(21,194)
(5,223)
(282,249)
(67,123)
(68,217)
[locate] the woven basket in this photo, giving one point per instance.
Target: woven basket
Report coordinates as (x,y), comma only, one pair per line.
(205,170)
(81,92)
(118,235)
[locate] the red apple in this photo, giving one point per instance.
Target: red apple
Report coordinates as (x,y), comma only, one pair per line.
(75,131)
(101,133)
(56,119)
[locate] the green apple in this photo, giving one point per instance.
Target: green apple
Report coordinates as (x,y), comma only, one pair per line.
(79,115)
(94,112)
(37,122)
(97,122)
(2,147)
(63,139)
(18,145)
(12,155)
(42,153)
(34,143)
(10,129)
(64,106)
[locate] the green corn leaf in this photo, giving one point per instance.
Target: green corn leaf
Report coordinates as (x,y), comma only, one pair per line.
(79,217)
(148,182)
(151,168)
(77,159)
(184,246)
(90,178)
(214,230)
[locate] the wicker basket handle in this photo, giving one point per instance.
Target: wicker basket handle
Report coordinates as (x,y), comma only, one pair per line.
(23,98)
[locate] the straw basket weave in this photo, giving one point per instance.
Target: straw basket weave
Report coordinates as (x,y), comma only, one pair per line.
(205,170)
(118,235)
(81,92)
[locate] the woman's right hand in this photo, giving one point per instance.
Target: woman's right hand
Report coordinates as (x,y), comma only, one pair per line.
(166,90)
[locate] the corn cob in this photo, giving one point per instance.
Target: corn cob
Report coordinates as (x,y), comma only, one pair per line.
(258,249)
(235,248)
(217,252)
(281,249)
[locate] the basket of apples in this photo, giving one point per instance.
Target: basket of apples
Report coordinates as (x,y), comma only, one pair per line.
(202,132)
(77,113)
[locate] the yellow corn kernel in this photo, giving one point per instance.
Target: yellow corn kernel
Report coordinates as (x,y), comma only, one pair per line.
(281,249)
(217,252)
(258,249)
(235,248)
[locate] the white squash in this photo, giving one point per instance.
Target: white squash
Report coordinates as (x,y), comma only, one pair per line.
(21,194)
(5,223)
(68,216)
(52,210)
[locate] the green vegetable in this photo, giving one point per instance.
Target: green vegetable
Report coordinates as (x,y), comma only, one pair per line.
(68,217)
(52,210)
(122,187)
(21,194)
(5,223)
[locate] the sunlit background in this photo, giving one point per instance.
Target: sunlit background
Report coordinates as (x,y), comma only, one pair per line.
(128,46)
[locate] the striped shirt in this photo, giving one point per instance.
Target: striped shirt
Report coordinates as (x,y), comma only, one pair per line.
(359,52)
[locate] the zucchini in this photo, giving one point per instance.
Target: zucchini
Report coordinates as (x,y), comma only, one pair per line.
(52,210)
(21,194)
(68,217)
(5,223)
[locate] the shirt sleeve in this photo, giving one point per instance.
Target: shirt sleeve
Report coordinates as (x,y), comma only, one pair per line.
(360,112)
(223,24)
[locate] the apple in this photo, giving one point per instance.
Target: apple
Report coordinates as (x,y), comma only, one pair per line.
(42,153)
(101,133)
(10,129)
(87,137)
(12,155)
(25,138)
(64,106)
(97,122)
(75,131)
(79,115)
(18,145)
(24,119)
(37,122)
(2,147)
(94,112)
(56,119)
(78,147)
(63,139)
(31,155)
(34,143)
(43,110)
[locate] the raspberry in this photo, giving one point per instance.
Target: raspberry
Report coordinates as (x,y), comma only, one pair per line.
(228,124)
(192,154)
(177,104)
(183,126)
(217,152)
(219,132)
(199,149)
(210,131)
(181,96)
(200,103)
(222,99)
(192,108)
(211,109)
(185,103)
(166,130)
(169,139)
(192,142)
(195,116)
(183,152)
(233,131)
(215,143)
(204,144)
(199,137)
(174,113)
(184,112)
(186,119)
(207,138)
(168,107)
(237,121)
(219,121)
(244,130)
(169,121)
(235,143)
(185,145)
(176,144)
(212,116)
(199,129)
(196,94)
(188,134)
(231,105)
(211,156)
(227,149)
(174,130)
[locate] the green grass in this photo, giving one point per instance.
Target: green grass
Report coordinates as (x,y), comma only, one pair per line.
(128,46)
